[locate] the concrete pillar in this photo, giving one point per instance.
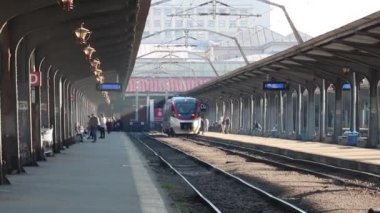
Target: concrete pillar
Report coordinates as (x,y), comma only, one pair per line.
(231,115)
(251,112)
(373,138)
(137,106)
(354,104)
(63,113)
(54,109)
(288,115)
(265,112)
(44,97)
(26,151)
(240,113)
(292,114)
(311,113)
(216,110)
(36,116)
(338,112)
(281,127)
(322,116)
(10,142)
(299,113)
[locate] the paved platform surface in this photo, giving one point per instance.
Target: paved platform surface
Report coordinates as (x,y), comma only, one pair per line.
(367,160)
(105,177)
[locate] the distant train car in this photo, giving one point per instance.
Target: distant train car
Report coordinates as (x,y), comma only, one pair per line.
(181,116)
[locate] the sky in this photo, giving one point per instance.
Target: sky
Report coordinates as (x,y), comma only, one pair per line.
(315,17)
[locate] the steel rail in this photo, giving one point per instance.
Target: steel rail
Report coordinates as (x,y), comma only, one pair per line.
(266,195)
(208,202)
(273,162)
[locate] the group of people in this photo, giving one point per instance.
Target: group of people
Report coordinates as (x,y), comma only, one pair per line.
(223,125)
(95,123)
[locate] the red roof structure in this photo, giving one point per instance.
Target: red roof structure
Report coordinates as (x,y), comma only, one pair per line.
(175,84)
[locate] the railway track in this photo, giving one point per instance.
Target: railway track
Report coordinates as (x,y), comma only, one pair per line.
(340,175)
(309,189)
(220,190)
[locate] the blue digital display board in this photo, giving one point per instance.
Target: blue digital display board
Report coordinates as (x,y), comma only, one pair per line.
(346,86)
(274,85)
(109,87)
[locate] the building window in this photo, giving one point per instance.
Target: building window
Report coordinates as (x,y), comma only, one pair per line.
(168,11)
(178,34)
(222,23)
(232,23)
(200,23)
(244,23)
(157,23)
(168,23)
(245,11)
(145,33)
(156,12)
(189,23)
(201,35)
(211,23)
(178,23)
(168,34)
(200,10)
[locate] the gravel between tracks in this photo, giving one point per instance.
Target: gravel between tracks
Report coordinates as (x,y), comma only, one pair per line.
(306,191)
(227,194)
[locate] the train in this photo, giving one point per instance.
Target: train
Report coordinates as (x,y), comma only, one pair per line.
(182,116)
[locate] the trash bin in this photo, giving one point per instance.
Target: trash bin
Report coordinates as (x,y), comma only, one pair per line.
(352,138)
(273,133)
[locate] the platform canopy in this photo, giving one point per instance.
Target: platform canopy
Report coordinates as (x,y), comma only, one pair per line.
(45,25)
(331,56)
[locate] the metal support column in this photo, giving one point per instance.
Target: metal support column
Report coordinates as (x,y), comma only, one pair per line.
(322,118)
(240,113)
(265,106)
(373,140)
(299,120)
(354,101)
(311,114)
(338,112)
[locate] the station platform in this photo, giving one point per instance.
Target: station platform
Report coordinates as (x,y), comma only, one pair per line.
(362,159)
(107,176)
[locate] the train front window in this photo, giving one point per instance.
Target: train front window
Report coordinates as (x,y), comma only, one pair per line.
(185,107)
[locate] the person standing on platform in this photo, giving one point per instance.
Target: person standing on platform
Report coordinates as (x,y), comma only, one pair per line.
(103,126)
(94,123)
(227,123)
(222,123)
(109,125)
(202,125)
(206,125)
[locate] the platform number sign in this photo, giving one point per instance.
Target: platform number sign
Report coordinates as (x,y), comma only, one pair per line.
(203,107)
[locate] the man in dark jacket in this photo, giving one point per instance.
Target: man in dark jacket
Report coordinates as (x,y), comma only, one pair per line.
(93,123)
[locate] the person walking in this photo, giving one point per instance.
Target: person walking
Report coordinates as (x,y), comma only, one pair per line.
(102,126)
(94,123)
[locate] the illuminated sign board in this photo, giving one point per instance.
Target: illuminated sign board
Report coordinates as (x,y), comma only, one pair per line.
(274,85)
(109,87)
(346,86)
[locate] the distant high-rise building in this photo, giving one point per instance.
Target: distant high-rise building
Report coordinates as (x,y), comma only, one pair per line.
(227,18)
